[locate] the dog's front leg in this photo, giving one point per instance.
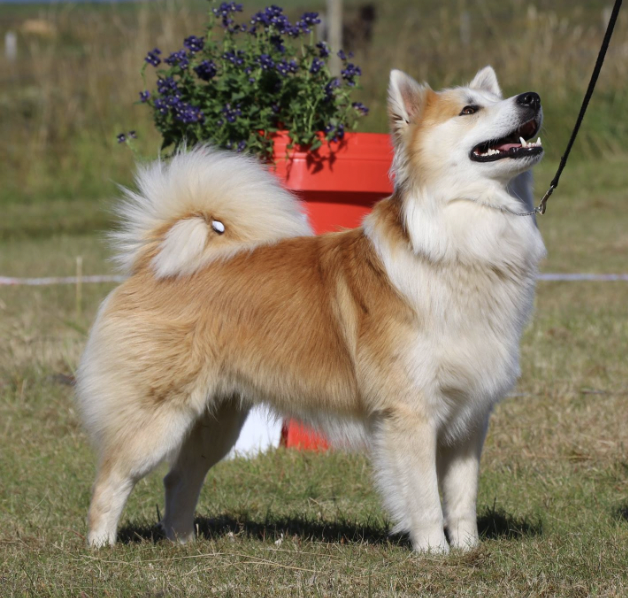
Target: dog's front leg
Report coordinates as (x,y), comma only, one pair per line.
(405,462)
(458,471)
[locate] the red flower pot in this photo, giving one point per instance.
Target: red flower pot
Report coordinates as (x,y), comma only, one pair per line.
(339,185)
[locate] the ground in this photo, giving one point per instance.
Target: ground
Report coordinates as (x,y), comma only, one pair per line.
(553,503)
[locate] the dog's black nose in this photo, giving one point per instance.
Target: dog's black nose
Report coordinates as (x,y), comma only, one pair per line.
(529,99)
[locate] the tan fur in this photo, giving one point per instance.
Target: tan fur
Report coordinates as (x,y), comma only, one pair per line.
(307,325)
(436,108)
(406,328)
(240,316)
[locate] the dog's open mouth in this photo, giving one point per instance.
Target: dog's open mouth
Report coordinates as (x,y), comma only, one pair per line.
(515,145)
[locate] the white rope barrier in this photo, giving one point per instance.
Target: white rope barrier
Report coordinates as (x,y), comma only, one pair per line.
(105,278)
(580,277)
(11,281)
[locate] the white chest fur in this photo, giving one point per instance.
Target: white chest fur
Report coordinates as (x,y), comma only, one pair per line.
(473,291)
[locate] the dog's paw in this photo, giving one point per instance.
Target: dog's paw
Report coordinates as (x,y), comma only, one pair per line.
(177,534)
(463,535)
(431,543)
(100,539)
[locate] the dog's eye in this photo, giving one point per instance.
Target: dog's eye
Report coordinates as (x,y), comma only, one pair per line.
(469,110)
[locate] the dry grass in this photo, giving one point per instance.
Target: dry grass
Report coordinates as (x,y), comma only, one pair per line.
(553,498)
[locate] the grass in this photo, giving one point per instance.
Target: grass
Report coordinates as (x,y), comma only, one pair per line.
(553,502)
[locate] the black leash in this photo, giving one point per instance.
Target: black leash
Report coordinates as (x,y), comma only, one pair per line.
(585,103)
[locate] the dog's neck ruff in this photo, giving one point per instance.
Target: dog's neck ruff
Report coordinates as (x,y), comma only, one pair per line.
(503,209)
(457,236)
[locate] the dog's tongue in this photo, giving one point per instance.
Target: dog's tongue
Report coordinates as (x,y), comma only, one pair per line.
(504,147)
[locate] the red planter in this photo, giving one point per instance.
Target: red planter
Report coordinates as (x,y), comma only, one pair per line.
(339,186)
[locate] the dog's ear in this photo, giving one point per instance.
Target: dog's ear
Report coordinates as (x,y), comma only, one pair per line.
(486,80)
(405,101)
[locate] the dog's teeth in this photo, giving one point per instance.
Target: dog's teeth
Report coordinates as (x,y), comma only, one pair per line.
(523,142)
(538,141)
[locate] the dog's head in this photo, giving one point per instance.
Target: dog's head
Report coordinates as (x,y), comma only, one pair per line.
(462,135)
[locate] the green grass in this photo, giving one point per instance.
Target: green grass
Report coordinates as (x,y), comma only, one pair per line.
(553,502)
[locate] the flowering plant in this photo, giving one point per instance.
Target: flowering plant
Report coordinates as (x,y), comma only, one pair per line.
(237,86)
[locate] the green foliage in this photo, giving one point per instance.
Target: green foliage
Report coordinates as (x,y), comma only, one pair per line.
(241,83)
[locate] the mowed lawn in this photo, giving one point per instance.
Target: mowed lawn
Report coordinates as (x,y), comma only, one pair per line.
(553,504)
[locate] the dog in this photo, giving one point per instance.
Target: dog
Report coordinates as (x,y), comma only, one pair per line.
(406,329)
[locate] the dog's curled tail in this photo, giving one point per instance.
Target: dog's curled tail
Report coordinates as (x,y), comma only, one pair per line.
(201,205)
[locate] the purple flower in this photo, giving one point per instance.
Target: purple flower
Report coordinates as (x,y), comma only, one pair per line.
(121,138)
(339,134)
(266,62)
(323,49)
(206,70)
(277,41)
(284,67)
(144,95)
(350,72)
(271,17)
(241,146)
(194,44)
(226,8)
(307,20)
(224,12)
(132,134)
(329,88)
(236,58)
(360,107)
(167,86)
(317,65)
(161,106)
(342,55)
(231,114)
(153,57)
(178,59)
(188,114)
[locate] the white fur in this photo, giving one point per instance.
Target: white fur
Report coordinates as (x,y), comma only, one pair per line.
(470,275)
(191,190)
(486,79)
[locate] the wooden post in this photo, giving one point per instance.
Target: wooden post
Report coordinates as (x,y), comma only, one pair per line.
(10,46)
(465,23)
(334,34)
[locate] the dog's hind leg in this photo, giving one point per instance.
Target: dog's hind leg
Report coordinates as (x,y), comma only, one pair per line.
(211,438)
(404,452)
(136,446)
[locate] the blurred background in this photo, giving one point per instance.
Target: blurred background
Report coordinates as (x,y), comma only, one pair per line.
(70,77)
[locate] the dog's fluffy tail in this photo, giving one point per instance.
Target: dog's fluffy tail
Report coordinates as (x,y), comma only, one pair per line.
(202,205)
